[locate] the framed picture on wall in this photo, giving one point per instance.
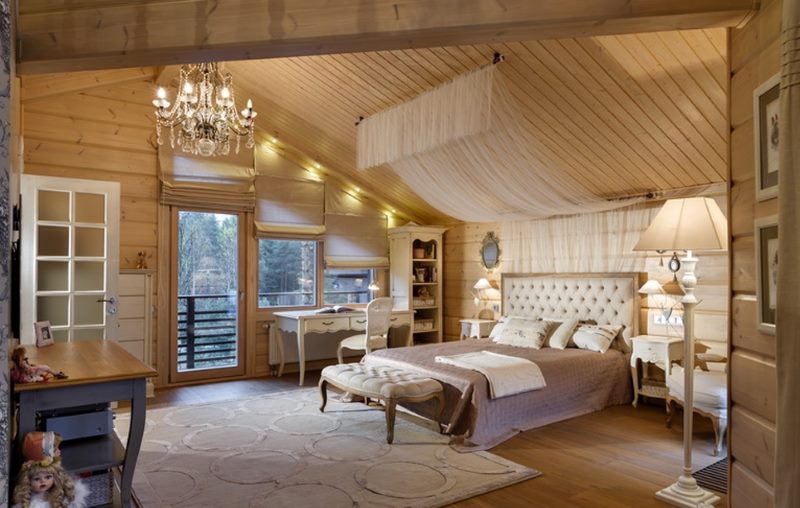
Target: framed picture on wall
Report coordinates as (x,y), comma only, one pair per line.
(44,334)
(767,272)
(766,115)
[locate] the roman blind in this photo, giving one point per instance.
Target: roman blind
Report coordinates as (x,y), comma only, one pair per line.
(224,183)
(287,207)
(288,202)
(356,233)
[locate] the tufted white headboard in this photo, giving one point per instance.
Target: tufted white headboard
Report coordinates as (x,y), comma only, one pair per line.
(607,298)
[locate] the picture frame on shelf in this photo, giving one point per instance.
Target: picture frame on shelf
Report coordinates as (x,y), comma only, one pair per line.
(766,116)
(44,333)
(766,272)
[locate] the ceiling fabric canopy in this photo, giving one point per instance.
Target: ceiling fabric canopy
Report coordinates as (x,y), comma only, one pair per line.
(462,149)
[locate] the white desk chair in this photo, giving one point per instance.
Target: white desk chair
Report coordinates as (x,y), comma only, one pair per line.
(376,332)
(710,395)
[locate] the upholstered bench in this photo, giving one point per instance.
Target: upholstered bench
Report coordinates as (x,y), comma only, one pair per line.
(387,384)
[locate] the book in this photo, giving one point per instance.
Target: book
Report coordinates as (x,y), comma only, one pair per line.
(334,310)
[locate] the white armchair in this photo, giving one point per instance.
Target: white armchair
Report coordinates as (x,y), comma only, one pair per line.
(710,395)
(376,333)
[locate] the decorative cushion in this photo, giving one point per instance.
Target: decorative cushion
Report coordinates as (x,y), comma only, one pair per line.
(595,337)
(380,381)
(562,332)
(523,333)
(710,389)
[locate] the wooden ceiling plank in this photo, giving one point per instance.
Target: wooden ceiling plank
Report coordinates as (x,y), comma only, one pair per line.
(711,143)
(677,126)
(719,38)
(627,168)
(404,86)
(49,85)
(716,64)
(389,61)
(629,96)
(687,71)
(127,34)
(558,68)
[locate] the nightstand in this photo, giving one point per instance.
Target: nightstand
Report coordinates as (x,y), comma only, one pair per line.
(477,328)
(653,350)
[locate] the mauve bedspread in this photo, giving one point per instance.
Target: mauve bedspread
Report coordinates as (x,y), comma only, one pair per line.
(578,382)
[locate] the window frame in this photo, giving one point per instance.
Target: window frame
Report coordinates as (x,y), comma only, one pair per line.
(318,268)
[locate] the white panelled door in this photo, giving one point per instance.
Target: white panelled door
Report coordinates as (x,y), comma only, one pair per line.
(69,257)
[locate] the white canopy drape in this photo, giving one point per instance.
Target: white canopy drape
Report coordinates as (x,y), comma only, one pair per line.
(595,242)
(461,149)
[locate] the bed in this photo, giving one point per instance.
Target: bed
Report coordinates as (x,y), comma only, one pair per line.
(578,381)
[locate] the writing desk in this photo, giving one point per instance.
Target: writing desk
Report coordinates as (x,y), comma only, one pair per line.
(99,372)
(301,322)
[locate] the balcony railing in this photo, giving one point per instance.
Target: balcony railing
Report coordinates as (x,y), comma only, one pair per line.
(207,327)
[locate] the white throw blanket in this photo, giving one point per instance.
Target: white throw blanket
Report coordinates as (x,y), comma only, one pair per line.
(507,375)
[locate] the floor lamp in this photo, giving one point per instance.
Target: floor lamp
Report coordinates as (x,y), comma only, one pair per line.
(687,225)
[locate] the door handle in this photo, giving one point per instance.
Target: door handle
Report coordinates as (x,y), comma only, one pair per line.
(110,301)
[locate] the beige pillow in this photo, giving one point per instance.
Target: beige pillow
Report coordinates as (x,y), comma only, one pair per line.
(523,333)
(595,337)
(562,332)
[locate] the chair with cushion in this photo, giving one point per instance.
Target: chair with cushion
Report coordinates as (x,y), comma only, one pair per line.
(376,329)
(710,396)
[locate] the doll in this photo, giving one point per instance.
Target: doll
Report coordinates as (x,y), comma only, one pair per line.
(42,482)
(24,372)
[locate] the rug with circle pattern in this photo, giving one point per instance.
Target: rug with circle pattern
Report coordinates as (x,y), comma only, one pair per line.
(278,450)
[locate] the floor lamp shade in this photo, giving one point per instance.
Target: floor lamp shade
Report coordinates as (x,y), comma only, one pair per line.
(687,224)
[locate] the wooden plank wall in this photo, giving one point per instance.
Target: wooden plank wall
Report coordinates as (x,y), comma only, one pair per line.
(101,133)
(755,57)
(462,269)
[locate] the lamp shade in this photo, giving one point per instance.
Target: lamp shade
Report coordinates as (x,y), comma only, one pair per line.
(686,224)
(483,283)
(651,287)
(373,286)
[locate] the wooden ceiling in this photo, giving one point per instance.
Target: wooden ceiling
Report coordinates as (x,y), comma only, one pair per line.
(625,114)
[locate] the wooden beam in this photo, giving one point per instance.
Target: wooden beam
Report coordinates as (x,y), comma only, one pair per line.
(67,35)
(49,85)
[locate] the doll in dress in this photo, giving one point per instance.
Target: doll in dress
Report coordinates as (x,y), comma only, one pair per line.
(24,372)
(42,482)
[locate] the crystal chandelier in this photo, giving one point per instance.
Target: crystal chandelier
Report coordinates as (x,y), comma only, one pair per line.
(204,112)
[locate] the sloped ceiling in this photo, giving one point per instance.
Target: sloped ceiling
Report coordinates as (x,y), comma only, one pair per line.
(624,114)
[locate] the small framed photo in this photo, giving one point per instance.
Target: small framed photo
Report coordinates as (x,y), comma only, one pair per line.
(766,115)
(44,333)
(767,272)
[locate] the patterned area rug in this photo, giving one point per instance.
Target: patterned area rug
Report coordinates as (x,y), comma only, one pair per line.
(279,450)
(714,477)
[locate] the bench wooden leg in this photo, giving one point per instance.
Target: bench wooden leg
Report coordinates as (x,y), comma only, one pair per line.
(720,425)
(323,393)
(391,407)
(439,411)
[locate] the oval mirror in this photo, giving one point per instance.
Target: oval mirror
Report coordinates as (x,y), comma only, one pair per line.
(490,251)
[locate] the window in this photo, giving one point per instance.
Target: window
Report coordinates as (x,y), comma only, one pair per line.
(287,273)
(347,285)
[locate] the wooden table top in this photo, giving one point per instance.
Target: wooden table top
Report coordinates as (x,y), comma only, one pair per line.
(85,362)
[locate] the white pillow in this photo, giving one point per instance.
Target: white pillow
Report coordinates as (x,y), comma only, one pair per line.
(523,333)
(501,324)
(595,337)
(562,332)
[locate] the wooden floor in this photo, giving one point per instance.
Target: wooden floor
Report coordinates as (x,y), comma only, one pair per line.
(618,457)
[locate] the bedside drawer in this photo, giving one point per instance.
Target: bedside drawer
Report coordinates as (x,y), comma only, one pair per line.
(648,353)
(327,325)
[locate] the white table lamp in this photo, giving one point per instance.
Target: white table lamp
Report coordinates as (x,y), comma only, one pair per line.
(687,225)
(480,295)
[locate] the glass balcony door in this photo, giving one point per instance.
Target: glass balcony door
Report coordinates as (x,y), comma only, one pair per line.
(208,303)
